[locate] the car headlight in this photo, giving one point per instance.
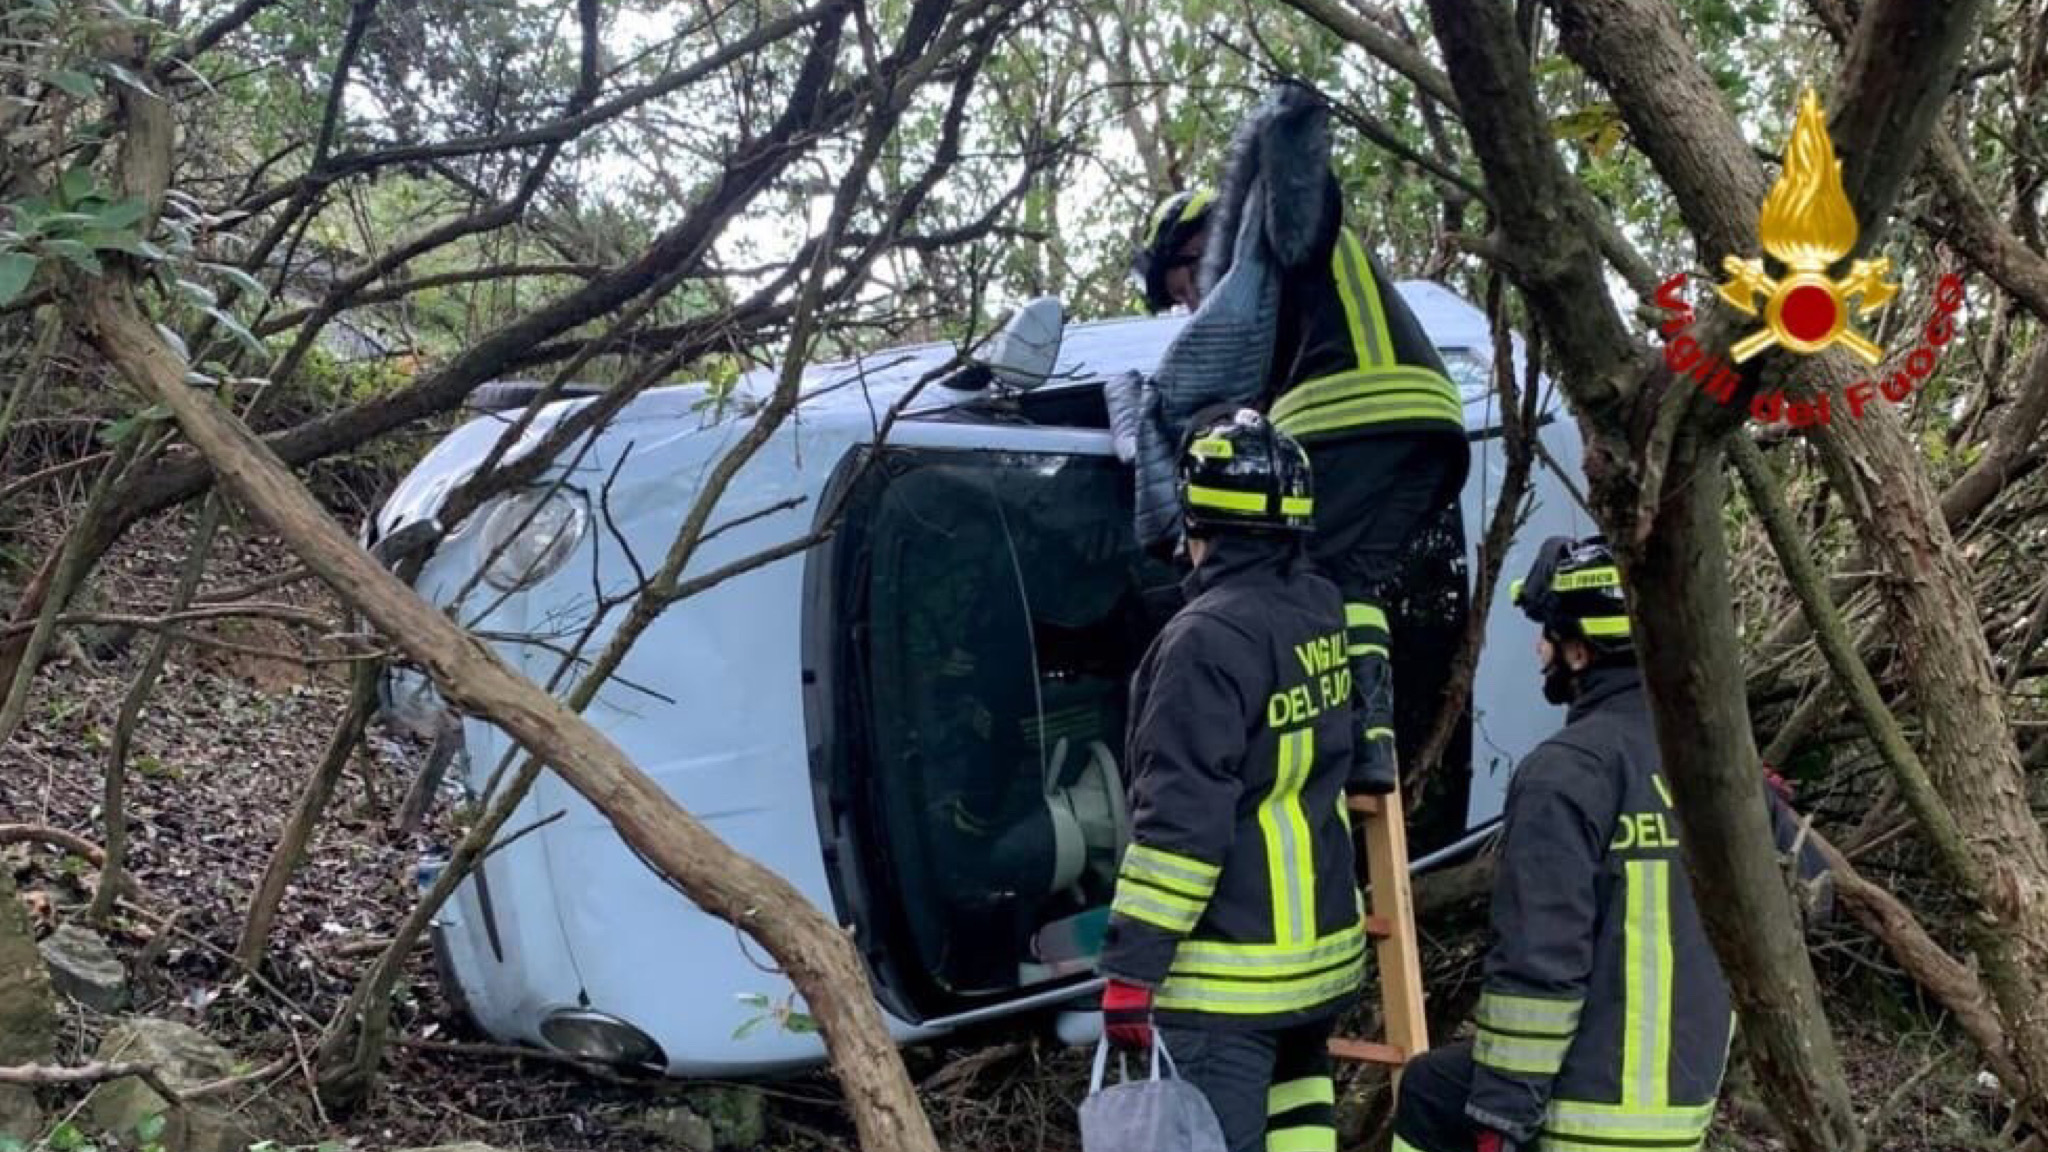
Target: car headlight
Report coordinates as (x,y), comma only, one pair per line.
(597,1036)
(528,535)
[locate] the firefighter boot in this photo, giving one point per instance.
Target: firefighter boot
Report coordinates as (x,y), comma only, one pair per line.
(1373,767)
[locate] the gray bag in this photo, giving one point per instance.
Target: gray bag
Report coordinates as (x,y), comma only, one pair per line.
(1162,1114)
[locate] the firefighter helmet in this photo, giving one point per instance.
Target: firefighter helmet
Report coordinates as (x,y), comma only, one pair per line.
(1171,225)
(1574,591)
(1238,473)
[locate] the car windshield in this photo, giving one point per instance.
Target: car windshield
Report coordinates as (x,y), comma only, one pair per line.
(1006,609)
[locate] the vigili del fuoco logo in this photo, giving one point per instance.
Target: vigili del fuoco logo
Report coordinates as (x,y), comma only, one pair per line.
(1807,227)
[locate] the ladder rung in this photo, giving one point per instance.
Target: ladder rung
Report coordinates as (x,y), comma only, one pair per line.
(1365,805)
(1367,1052)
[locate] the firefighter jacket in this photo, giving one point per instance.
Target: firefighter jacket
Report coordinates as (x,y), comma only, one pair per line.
(1237,902)
(1297,318)
(1349,358)
(1604,1020)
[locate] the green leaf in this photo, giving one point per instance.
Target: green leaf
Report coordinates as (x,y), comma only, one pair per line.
(240,332)
(123,429)
(240,279)
(800,1022)
(151,1128)
(73,83)
(16,270)
(76,253)
(1586,123)
(195,293)
(176,342)
(77,183)
(101,240)
(65,1137)
(121,213)
(126,77)
(748,1028)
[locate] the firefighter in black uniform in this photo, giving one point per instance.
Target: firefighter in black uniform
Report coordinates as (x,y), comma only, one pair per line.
(1604,1020)
(1357,382)
(1237,923)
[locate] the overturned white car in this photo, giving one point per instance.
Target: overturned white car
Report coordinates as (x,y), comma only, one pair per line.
(917,721)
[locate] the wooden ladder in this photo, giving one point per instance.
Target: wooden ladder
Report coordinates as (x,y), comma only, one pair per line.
(1390,923)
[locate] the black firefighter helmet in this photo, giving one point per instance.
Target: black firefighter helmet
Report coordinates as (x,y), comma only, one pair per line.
(1574,591)
(1238,473)
(1171,225)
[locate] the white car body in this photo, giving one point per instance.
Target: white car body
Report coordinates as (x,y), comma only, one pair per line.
(721,700)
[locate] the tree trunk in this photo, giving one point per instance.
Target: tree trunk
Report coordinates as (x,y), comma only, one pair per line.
(815,953)
(1657,491)
(1967,741)
(1691,657)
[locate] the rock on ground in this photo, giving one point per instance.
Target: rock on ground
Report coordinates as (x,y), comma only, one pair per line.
(28,1012)
(185,1058)
(676,1126)
(739,1116)
(470,1146)
(85,969)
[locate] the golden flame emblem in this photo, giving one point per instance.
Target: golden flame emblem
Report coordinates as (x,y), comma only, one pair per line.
(1808,224)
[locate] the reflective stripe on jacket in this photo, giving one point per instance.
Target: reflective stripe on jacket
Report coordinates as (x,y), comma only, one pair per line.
(1350,358)
(1604,1021)
(1237,900)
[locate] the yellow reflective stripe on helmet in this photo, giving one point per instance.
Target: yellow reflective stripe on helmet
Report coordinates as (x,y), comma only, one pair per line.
(1663,1127)
(1300,1094)
(1305,1138)
(1605,625)
(1515,592)
(1358,614)
(1213,448)
(1603,577)
(1156,907)
(1297,506)
(1528,1055)
(1225,499)
(1197,202)
(1181,875)
(1290,866)
(1222,958)
(1357,650)
(1362,306)
(1259,997)
(1646,1027)
(1401,1145)
(1529,1015)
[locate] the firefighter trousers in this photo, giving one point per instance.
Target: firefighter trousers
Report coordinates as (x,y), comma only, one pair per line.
(1271,1089)
(1429,1115)
(1374,495)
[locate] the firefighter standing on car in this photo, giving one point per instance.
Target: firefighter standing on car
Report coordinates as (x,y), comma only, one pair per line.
(1352,377)
(1604,1020)
(1237,922)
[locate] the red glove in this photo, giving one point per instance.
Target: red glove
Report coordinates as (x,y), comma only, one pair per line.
(1487,1140)
(1777,783)
(1127,1015)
